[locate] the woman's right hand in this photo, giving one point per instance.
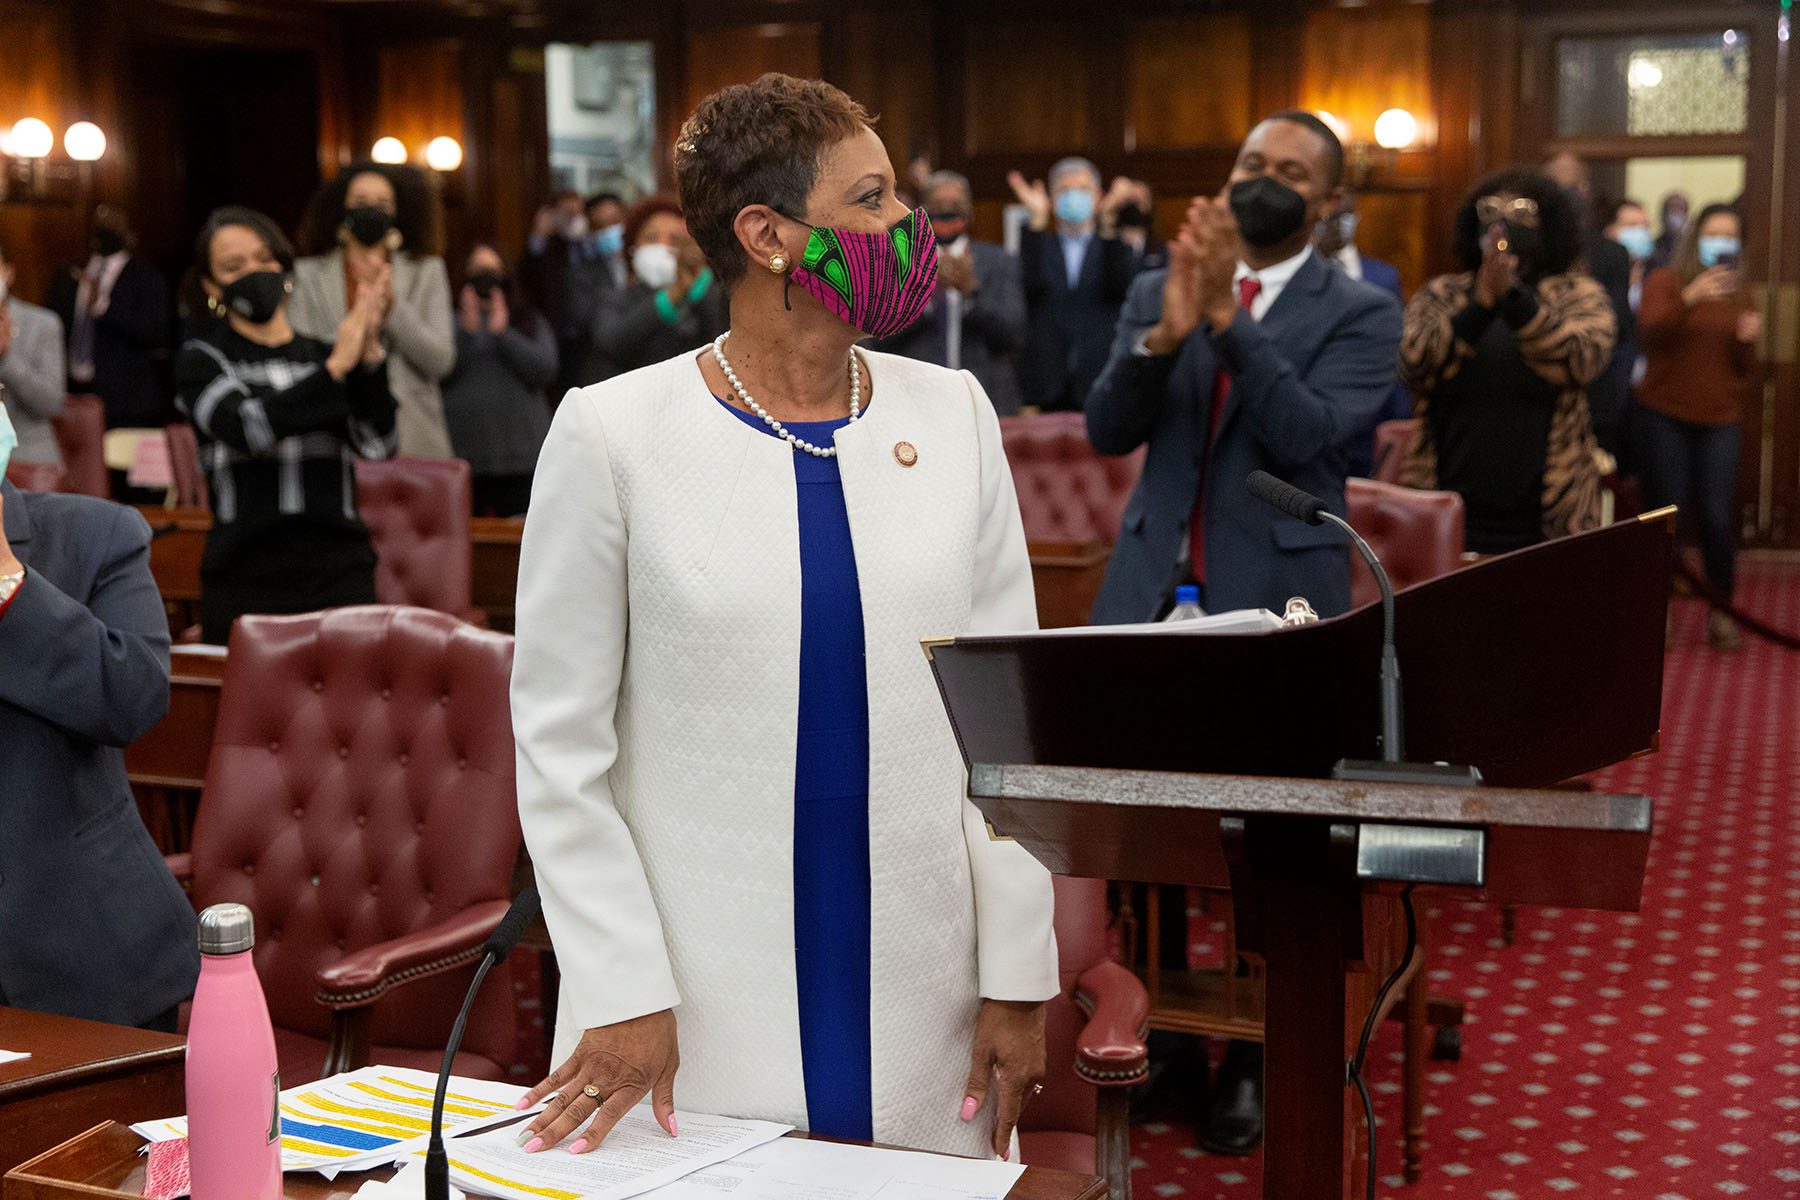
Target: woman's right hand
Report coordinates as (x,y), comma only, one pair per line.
(621,1062)
(1714,283)
(1033,196)
(1498,273)
(352,336)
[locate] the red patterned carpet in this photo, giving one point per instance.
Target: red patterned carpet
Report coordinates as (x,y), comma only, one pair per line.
(1654,1055)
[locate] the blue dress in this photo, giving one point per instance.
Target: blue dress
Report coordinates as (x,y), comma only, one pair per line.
(831,802)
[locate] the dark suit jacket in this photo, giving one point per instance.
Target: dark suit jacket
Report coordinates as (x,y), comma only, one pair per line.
(1319,365)
(1610,265)
(568,284)
(1070,328)
(993,319)
(129,338)
(94,924)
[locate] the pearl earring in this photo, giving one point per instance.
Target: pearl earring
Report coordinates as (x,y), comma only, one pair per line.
(778,263)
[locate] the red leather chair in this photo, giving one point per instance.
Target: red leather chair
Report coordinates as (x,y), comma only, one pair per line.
(417,510)
(359,799)
(1094,1041)
(1393,441)
(184,465)
(35,477)
(1418,535)
(80,429)
(1068,491)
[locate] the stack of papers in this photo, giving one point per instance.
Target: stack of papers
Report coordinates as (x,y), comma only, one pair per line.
(367,1118)
(1238,620)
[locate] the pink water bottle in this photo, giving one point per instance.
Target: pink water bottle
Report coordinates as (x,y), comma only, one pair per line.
(233,1084)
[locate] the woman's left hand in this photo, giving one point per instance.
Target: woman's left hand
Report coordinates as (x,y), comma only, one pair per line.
(1009,1055)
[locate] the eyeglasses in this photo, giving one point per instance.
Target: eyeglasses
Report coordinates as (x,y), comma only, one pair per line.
(1520,210)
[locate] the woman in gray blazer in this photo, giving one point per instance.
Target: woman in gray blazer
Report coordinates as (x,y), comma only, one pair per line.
(370,214)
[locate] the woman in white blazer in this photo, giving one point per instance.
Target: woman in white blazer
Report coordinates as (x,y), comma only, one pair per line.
(744,802)
(370,214)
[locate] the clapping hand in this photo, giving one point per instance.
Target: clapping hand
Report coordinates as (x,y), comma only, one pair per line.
(375,298)
(498,316)
(468,309)
(1714,283)
(957,271)
(1499,270)
(1033,196)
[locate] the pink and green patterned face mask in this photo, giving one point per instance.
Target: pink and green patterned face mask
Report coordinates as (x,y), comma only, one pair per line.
(878,282)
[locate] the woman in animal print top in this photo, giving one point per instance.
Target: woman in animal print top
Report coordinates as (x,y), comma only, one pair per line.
(1498,357)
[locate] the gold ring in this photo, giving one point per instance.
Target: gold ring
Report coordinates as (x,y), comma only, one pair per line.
(1037,1089)
(591,1092)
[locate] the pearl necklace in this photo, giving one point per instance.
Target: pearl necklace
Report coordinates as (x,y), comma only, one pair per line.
(782,431)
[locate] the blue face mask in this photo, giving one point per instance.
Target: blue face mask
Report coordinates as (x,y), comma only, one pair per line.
(1637,241)
(9,441)
(1715,250)
(610,240)
(1075,206)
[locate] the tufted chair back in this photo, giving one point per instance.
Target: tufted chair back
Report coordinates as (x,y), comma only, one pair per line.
(1068,491)
(417,510)
(35,477)
(1418,535)
(360,790)
(80,431)
(1393,441)
(1093,1039)
(184,466)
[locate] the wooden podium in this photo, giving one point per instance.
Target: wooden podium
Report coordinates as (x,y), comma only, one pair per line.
(1204,759)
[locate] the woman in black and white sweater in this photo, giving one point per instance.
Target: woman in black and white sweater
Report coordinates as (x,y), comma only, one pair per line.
(281,419)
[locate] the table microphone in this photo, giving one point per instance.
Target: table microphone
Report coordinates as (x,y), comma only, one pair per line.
(1304,506)
(498,946)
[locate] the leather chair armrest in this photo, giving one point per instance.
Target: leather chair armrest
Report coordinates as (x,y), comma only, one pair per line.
(358,980)
(1110,1050)
(181,866)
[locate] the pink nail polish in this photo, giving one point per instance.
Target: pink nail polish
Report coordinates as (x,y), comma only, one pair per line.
(578,1147)
(970,1104)
(534,1145)
(524,1103)
(672,1132)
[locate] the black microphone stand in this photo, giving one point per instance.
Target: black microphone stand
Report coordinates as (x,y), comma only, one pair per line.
(498,946)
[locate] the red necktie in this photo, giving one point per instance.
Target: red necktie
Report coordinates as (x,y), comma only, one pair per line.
(1249,287)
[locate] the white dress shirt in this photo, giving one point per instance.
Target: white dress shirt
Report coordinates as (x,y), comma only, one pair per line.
(1273,280)
(953,312)
(1349,258)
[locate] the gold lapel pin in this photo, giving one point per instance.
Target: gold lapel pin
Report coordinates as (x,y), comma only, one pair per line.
(905,454)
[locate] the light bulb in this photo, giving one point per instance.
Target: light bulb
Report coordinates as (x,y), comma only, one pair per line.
(1395,129)
(389,150)
(1643,73)
(1335,123)
(84,141)
(30,138)
(443,154)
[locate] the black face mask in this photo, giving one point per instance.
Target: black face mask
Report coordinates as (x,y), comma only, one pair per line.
(256,297)
(108,242)
(486,283)
(1268,211)
(1132,216)
(368,224)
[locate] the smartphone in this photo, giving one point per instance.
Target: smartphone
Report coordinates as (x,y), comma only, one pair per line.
(1728,261)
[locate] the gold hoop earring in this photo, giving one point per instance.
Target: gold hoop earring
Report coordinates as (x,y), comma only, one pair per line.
(778,263)
(393,239)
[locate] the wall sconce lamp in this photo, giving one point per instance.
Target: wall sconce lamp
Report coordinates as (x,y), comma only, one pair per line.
(1395,130)
(26,172)
(390,150)
(442,154)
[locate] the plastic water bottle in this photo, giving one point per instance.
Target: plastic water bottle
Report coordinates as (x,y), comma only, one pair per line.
(1187,604)
(233,1083)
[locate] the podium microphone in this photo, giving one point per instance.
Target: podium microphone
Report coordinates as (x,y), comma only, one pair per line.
(498,946)
(1304,506)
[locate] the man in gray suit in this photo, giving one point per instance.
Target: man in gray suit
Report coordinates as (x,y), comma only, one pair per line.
(92,924)
(32,375)
(976,318)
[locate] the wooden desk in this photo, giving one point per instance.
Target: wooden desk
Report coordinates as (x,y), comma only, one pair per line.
(78,1069)
(494,568)
(104,1162)
(1067,577)
(173,754)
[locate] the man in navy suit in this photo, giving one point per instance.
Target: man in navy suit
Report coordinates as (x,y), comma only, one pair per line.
(1249,351)
(1335,240)
(95,925)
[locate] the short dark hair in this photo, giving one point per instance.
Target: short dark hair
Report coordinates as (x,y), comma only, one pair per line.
(756,143)
(417,214)
(1559,225)
(1334,148)
(641,212)
(599,198)
(262,226)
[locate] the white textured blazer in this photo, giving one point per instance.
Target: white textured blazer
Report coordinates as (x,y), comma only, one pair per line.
(655,691)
